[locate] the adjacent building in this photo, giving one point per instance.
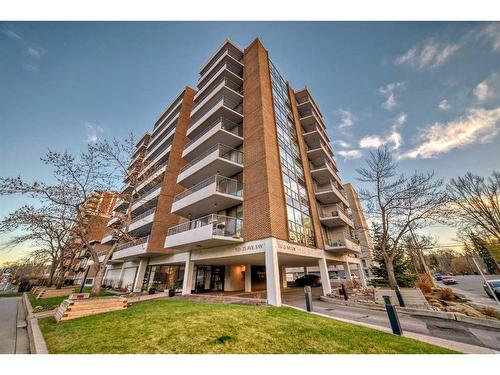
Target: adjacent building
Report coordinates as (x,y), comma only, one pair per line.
(240,183)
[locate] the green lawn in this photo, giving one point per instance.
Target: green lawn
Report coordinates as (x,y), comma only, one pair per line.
(170,326)
(11,294)
(53,302)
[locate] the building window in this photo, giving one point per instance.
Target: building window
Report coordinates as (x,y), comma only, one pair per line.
(300,228)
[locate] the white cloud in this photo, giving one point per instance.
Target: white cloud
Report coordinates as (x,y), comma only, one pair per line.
(350,154)
(394,138)
(371,141)
(36,53)
(12,34)
(31,68)
(93,132)
(346,119)
(488,88)
(342,143)
(428,55)
(444,105)
(479,125)
(490,33)
(389,92)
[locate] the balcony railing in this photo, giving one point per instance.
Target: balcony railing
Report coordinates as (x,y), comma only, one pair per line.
(145,194)
(143,215)
(226,226)
(226,101)
(153,170)
(225,152)
(136,242)
(223,185)
(236,87)
(227,125)
(332,212)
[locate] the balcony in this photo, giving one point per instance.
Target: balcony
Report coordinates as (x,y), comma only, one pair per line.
(342,245)
(329,194)
(219,159)
(224,87)
(314,136)
(223,131)
(208,231)
(334,217)
(164,139)
(224,106)
(166,121)
(113,220)
(108,238)
(147,197)
(153,172)
(131,249)
(120,205)
(319,153)
(228,52)
(224,71)
(306,105)
(214,193)
(142,222)
(323,172)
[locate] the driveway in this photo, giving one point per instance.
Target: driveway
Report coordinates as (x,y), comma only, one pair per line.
(472,287)
(13,332)
(445,329)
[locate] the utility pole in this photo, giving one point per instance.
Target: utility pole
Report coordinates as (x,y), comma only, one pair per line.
(486,281)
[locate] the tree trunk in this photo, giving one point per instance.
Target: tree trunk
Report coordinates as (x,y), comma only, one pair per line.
(50,281)
(391,276)
(99,277)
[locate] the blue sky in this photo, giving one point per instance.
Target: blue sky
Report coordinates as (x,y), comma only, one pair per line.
(431,91)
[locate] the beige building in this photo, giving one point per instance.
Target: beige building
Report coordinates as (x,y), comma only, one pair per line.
(241,185)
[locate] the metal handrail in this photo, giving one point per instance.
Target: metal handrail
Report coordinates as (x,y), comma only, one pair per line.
(154,188)
(154,170)
(132,243)
(229,154)
(235,86)
(223,121)
(227,226)
(223,185)
(143,215)
(212,66)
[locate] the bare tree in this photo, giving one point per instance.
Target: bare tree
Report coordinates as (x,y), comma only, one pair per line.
(46,229)
(477,203)
(398,203)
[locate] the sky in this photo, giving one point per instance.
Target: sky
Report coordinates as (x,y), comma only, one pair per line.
(430,91)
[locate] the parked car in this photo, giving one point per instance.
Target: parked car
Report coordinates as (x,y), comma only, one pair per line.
(438,276)
(447,280)
(308,280)
(495,285)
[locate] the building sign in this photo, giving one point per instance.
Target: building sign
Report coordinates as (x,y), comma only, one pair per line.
(290,248)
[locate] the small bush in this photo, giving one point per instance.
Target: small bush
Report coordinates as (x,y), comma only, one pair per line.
(424,284)
(488,311)
(446,294)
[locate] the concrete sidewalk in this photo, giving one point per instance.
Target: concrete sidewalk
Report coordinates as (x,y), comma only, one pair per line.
(13,332)
(439,329)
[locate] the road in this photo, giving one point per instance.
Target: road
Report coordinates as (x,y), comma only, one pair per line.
(440,328)
(13,332)
(472,287)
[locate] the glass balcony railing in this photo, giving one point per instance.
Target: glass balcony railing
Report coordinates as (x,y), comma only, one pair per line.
(227,125)
(224,151)
(227,102)
(222,185)
(236,87)
(226,226)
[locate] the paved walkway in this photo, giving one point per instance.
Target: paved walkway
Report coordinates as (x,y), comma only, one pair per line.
(440,328)
(13,331)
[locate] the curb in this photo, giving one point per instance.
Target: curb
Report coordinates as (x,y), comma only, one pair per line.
(37,342)
(419,312)
(447,344)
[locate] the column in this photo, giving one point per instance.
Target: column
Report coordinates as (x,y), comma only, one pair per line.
(248,278)
(325,277)
(187,284)
(272,275)
(141,271)
(284,283)
(347,270)
(120,277)
(305,271)
(362,276)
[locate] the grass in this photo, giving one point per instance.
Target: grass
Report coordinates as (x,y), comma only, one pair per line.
(166,326)
(11,294)
(53,302)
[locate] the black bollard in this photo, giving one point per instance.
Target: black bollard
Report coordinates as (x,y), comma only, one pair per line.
(393,316)
(400,297)
(344,292)
(309,300)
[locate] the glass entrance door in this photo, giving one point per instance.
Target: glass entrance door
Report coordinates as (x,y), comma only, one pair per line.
(217,279)
(201,277)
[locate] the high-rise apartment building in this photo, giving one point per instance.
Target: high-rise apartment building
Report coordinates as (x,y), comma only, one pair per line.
(242,183)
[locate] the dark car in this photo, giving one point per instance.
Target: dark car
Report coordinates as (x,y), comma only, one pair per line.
(308,280)
(446,280)
(438,276)
(495,285)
